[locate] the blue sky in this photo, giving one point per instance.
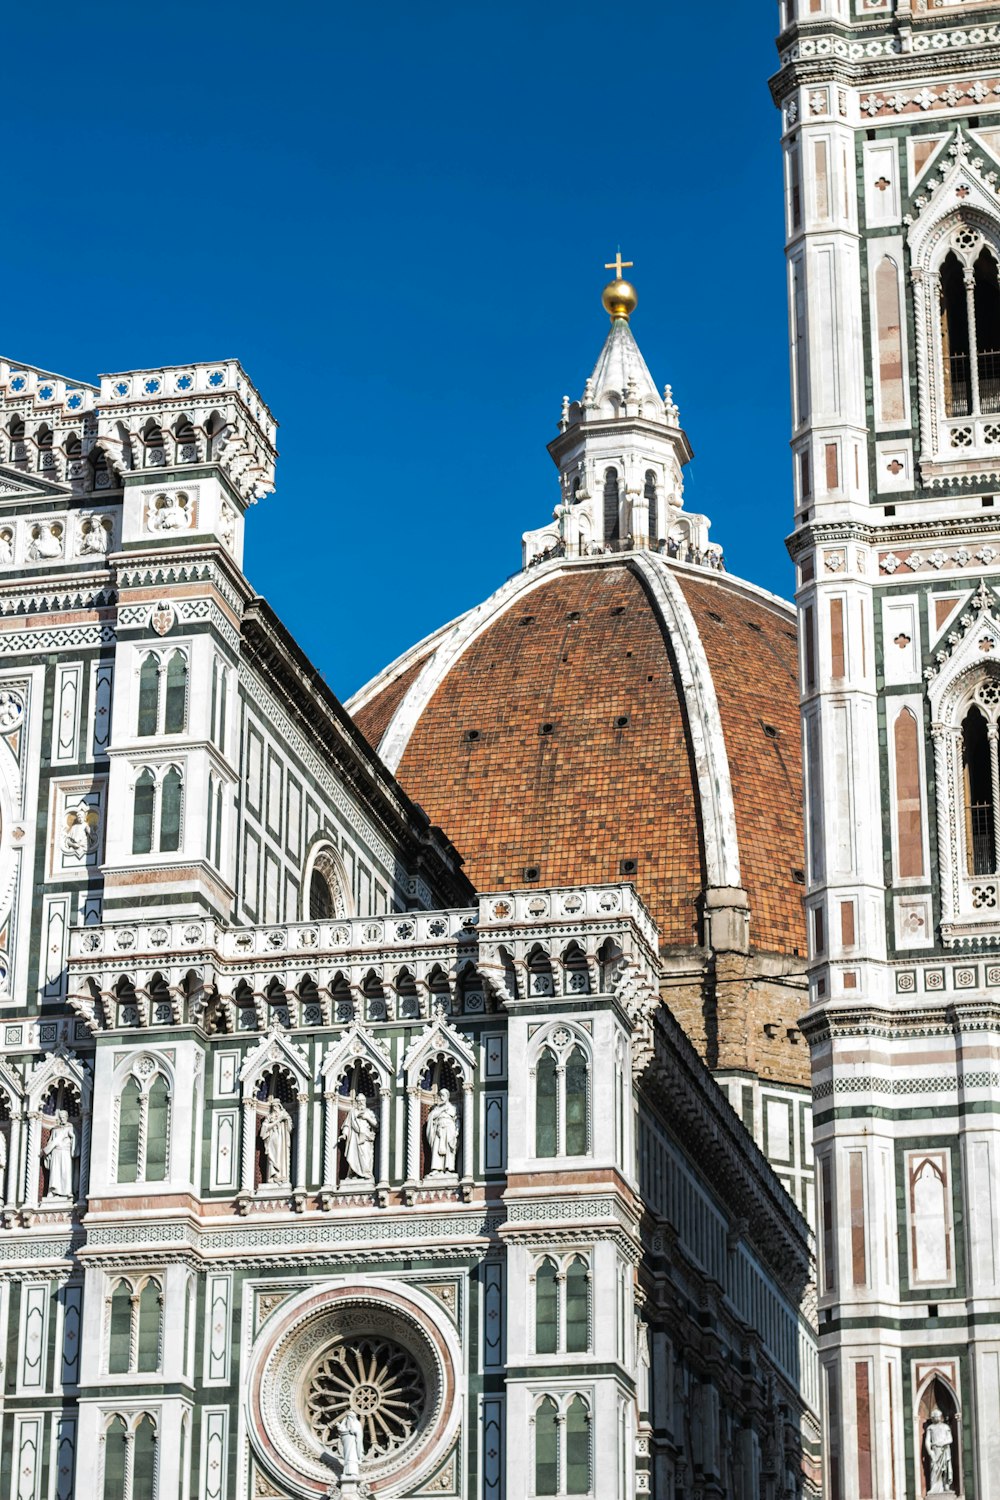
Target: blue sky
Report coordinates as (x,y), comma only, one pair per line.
(397,217)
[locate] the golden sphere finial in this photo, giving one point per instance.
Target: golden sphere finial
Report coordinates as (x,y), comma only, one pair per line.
(619,296)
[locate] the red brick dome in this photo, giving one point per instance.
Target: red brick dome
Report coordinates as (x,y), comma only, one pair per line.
(604,718)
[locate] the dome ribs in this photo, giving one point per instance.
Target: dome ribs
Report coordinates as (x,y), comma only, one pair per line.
(752,654)
(578,800)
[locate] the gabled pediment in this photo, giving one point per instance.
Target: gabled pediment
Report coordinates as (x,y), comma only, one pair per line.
(273,1048)
(967,185)
(17,486)
(356,1045)
(972,644)
(439,1036)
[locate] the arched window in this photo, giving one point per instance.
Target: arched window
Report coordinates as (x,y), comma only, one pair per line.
(115,1455)
(986,301)
(546,1447)
(144,1129)
(576,1103)
(649,490)
(157,1129)
(577,1306)
(546,1105)
(327,893)
(135,1327)
(163,694)
(977,784)
(547,1308)
(176,694)
(144,1460)
(562,1098)
(969,311)
(150,1328)
(143,813)
(170,812)
(611,526)
(158,809)
(149,694)
(955,338)
(129,1112)
(562,1306)
(577,1447)
(120,1330)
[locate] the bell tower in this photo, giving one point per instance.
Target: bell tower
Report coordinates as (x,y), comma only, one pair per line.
(890,116)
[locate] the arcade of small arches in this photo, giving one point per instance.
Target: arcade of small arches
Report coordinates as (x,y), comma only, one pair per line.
(291,997)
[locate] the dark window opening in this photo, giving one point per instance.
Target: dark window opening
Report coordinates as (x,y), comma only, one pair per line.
(980,827)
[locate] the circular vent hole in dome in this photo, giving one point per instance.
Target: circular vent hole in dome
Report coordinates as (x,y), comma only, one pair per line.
(527,620)
(752,625)
(799,876)
(628,866)
(713,616)
(574,614)
(471,735)
(619,609)
(531,872)
(770,731)
(546,728)
(622,721)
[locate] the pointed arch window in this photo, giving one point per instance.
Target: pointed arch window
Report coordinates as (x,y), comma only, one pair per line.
(135,1327)
(163,694)
(157,810)
(116,1449)
(144,1127)
(979,766)
(562,1305)
(562,1097)
(969,316)
(563,1461)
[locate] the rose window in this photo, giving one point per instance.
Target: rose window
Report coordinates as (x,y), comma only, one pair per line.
(380,1382)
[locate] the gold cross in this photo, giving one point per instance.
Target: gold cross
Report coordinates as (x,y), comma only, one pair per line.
(617,265)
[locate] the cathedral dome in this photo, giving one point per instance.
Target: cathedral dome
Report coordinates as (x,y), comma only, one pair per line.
(623,716)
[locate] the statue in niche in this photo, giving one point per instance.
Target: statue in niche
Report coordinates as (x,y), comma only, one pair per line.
(276,1134)
(58,1153)
(6,547)
(46,541)
(95,536)
(227,525)
(352,1451)
(442,1135)
(358,1135)
(937,1446)
(170,513)
(80,837)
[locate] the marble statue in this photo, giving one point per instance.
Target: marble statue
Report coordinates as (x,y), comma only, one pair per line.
(171,515)
(6,546)
(94,536)
(358,1135)
(442,1134)
(937,1446)
(46,541)
(351,1435)
(276,1133)
(58,1153)
(80,838)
